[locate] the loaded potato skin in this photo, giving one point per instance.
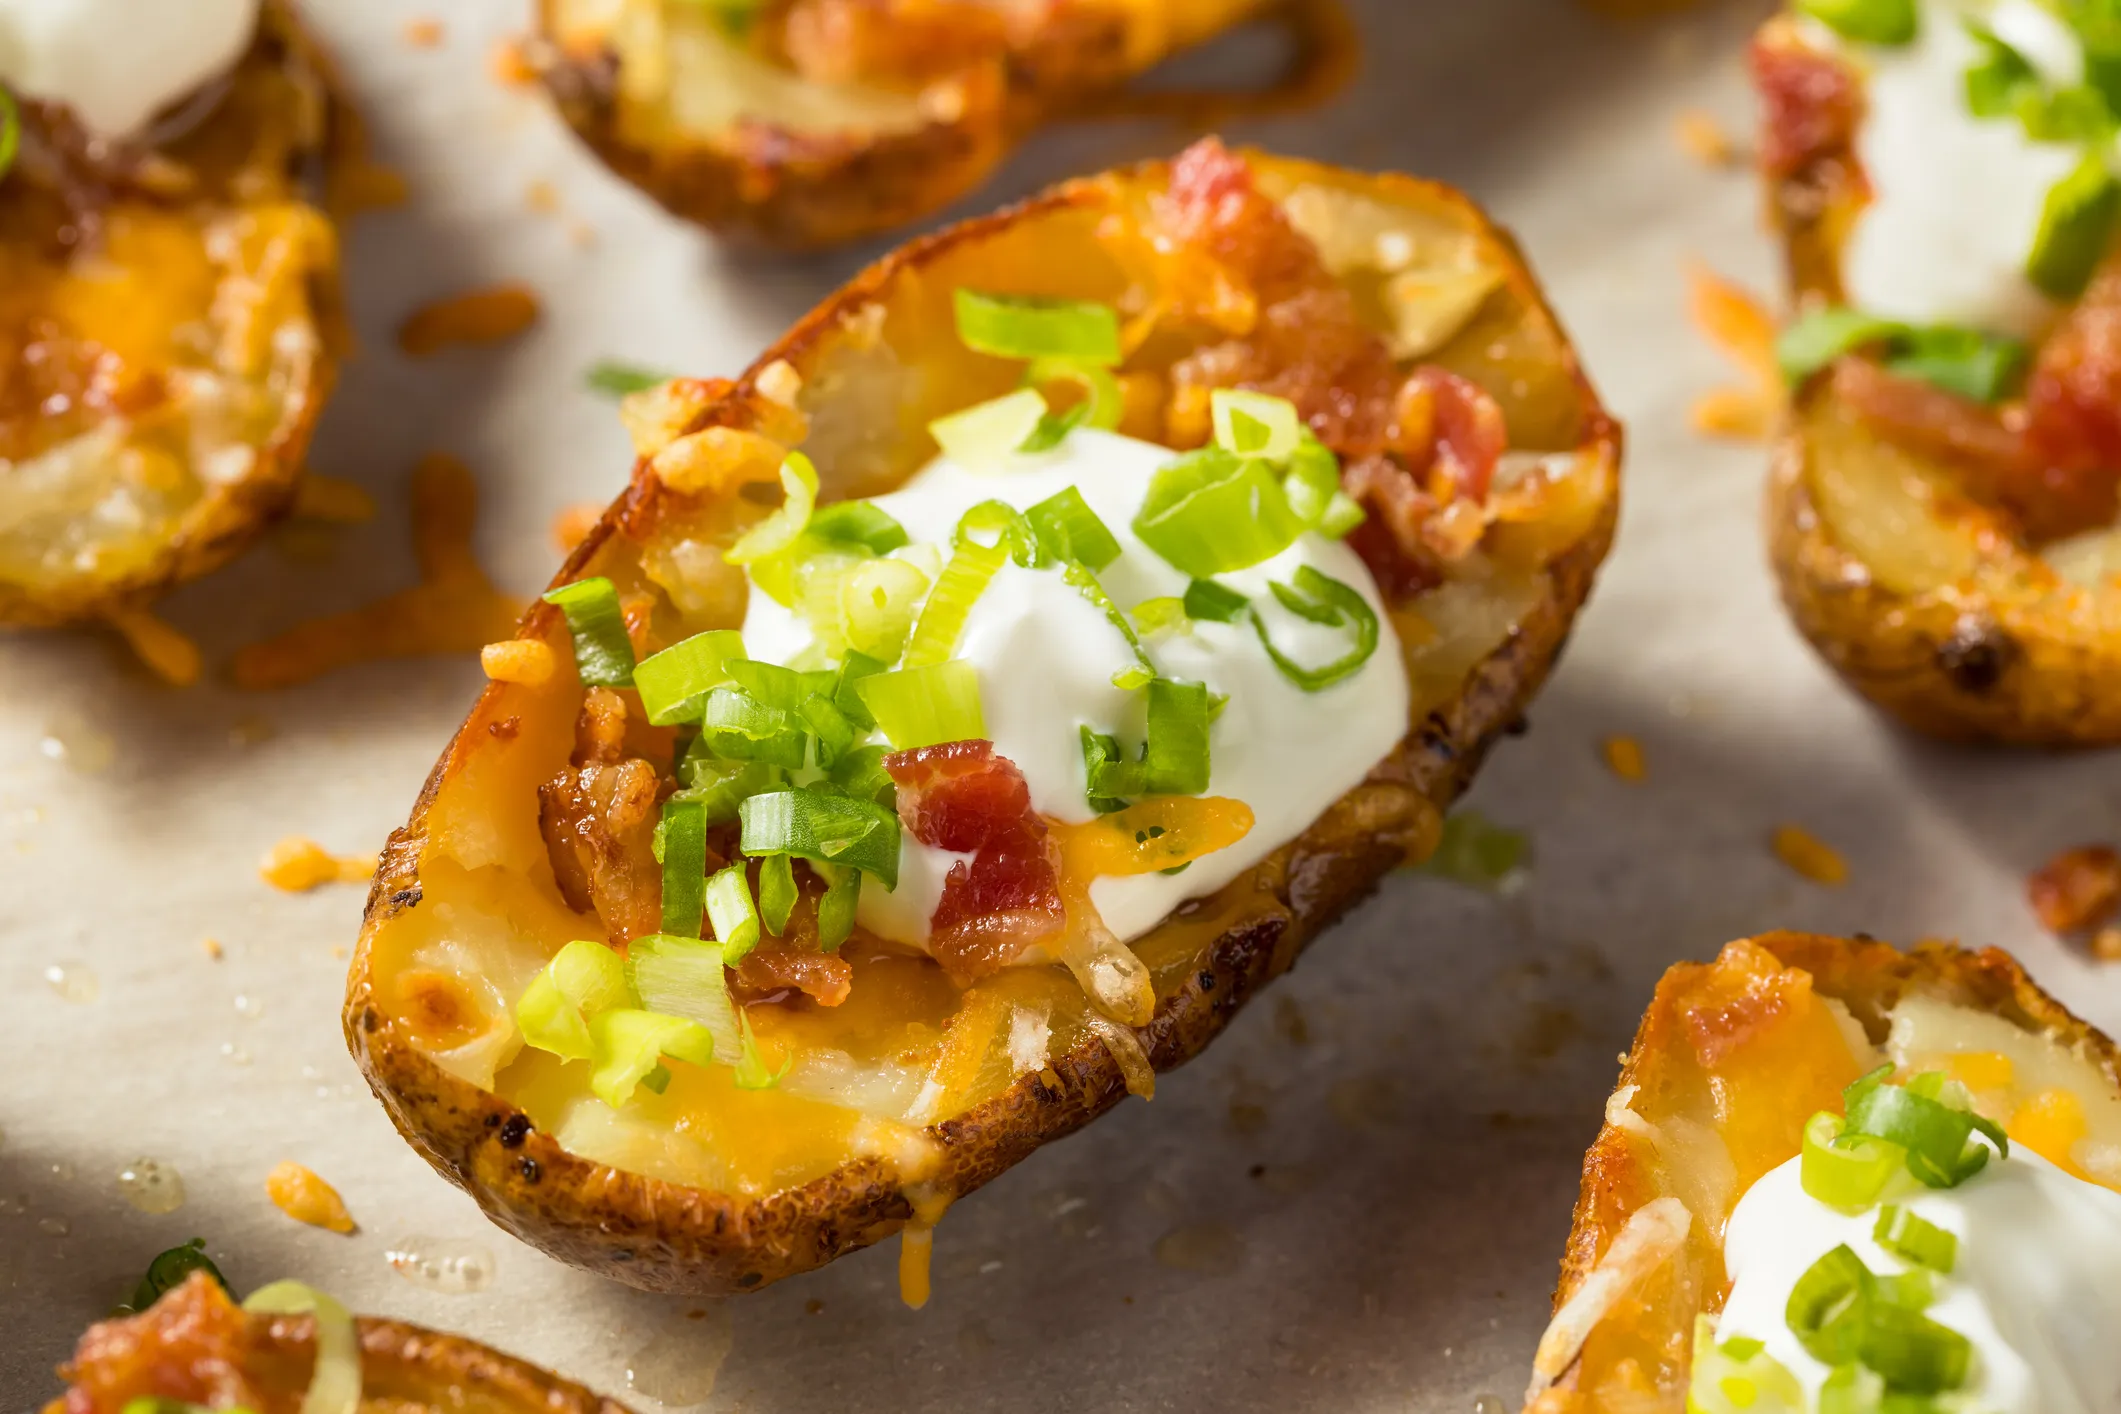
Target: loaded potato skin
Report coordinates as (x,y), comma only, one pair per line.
(853,383)
(171,330)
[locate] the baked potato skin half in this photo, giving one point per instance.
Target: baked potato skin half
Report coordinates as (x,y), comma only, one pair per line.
(932,137)
(1925,600)
(212,228)
(404,1367)
(1624,1173)
(658,1235)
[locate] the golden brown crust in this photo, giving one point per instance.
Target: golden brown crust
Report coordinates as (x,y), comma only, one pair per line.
(785,187)
(230,517)
(662,1236)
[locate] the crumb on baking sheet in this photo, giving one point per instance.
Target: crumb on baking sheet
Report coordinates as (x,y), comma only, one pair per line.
(2077,891)
(1743,331)
(167,652)
(571,526)
(298,864)
(299,1193)
(424,32)
(1810,856)
(454,608)
(212,948)
(1624,758)
(474,318)
(1702,137)
(510,64)
(333,499)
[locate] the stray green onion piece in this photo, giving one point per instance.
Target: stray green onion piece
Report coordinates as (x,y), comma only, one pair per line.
(779,530)
(631,1045)
(168,1269)
(816,825)
(1211,512)
(675,682)
(1909,1237)
(730,909)
(684,977)
(1474,850)
(1069,531)
(2076,226)
(10,130)
(1024,326)
(1891,22)
(1322,599)
(684,866)
(1255,424)
(614,379)
(583,979)
(860,523)
(335,1374)
(1103,401)
(990,435)
(949,605)
(603,654)
(916,707)
(1846,1171)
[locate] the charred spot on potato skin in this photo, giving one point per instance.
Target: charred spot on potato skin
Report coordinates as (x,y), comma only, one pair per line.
(529,1168)
(506,729)
(750,1279)
(406,898)
(514,1131)
(1207,980)
(1977,656)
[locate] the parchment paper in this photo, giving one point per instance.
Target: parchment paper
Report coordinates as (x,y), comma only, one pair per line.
(1360,1194)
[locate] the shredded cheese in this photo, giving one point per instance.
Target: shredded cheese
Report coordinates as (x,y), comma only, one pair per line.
(526,661)
(1810,856)
(299,1193)
(168,653)
(476,317)
(298,864)
(1624,758)
(1652,1234)
(1741,328)
(334,499)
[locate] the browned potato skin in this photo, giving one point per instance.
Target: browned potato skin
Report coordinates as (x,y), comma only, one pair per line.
(774,185)
(1972,664)
(661,1236)
(229,519)
(1620,1176)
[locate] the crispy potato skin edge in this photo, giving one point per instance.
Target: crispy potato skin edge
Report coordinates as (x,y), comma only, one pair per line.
(439,1369)
(664,1237)
(1620,1176)
(231,519)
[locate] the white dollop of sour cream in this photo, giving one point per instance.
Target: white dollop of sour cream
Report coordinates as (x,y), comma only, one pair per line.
(117,63)
(1046,658)
(2036,1287)
(1956,199)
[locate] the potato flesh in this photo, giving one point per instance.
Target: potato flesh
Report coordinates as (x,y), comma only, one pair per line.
(906,1050)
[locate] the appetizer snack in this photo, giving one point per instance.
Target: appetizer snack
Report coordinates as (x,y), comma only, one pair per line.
(171,311)
(1943,501)
(1842,1178)
(851,821)
(289,1347)
(811,122)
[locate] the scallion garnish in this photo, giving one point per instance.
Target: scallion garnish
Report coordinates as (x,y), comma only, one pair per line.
(615,379)
(777,892)
(1174,759)
(169,1268)
(779,531)
(1214,603)
(1009,528)
(770,684)
(582,979)
(684,836)
(335,1368)
(830,731)
(1156,617)
(1905,1234)
(603,654)
(853,668)
(720,784)
(1851,1389)
(1211,512)
(2076,226)
(1846,1171)
(1984,367)
(1475,850)
(916,707)
(10,130)
(1070,532)
(631,1044)
(830,828)
(736,725)
(1842,1314)
(675,682)
(1029,327)
(987,436)
(1937,1137)
(861,774)
(1103,401)
(835,911)
(949,605)
(751,1071)
(1738,1376)
(1258,425)
(1867,21)
(1322,599)
(859,523)
(730,909)
(683,977)
(1100,751)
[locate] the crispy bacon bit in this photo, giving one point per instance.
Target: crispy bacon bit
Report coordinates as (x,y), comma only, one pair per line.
(964,798)
(2078,889)
(771,973)
(598,817)
(2073,403)
(1811,104)
(1746,992)
(192,1345)
(1452,424)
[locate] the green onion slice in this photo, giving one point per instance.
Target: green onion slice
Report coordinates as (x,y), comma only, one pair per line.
(737,726)
(1214,603)
(812,824)
(861,774)
(718,784)
(1025,326)
(603,654)
(168,1269)
(1255,424)
(1211,512)
(2076,227)
(879,601)
(1892,22)
(830,730)
(989,436)
(615,379)
(1937,1137)
(10,130)
(335,1375)
(1007,525)
(1156,617)
(631,1045)
(1175,758)
(861,523)
(770,685)
(845,694)
(684,866)
(1143,671)
(1983,367)
(916,707)
(778,531)
(1102,758)
(1846,1171)
(836,910)
(583,979)
(684,977)
(777,892)
(957,589)
(1322,599)
(1818,337)
(1738,1376)
(1103,401)
(730,909)
(1914,1354)
(1070,532)
(1830,1305)
(675,682)
(1851,1389)
(751,1072)
(1911,1238)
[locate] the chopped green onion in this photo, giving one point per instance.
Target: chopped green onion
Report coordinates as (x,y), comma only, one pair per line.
(1255,424)
(779,531)
(1997,80)
(675,682)
(1069,531)
(1214,603)
(1938,1138)
(1474,850)
(2076,114)
(684,865)
(1025,326)
(1818,337)
(861,774)
(1322,599)
(811,824)
(777,892)
(2076,226)
(738,726)
(1893,22)
(845,692)
(1845,1171)
(616,379)
(631,1044)
(730,909)
(582,979)
(1155,617)
(1343,514)
(335,1371)
(1983,367)
(1313,480)
(1102,758)
(1006,524)
(1053,429)
(770,685)
(861,523)
(1143,672)
(1829,1305)
(162,1404)
(836,910)
(989,436)
(1103,402)
(168,1269)
(1914,1354)
(1909,1237)
(1738,1376)
(1841,1313)
(878,603)
(1176,760)
(829,728)
(603,654)
(751,1072)
(1210,512)
(957,589)
(718,784)
(684,977)
(916,707)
